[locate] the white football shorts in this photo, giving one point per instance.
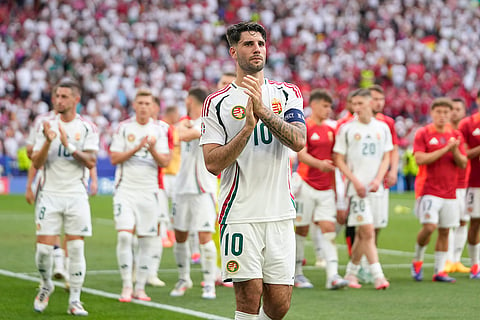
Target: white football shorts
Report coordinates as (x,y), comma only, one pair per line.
(439,211)
(258,251)
(194,212)
(52,211)
(314,205)
(136,210)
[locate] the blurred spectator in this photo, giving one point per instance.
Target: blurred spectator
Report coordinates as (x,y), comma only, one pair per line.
(417,50)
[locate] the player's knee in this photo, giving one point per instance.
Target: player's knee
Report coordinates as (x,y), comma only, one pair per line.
(329,236)
(124,238)
(277,310)
(75,249)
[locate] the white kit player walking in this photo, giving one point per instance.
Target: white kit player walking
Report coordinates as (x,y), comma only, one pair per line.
(362,154)
(67,145)
(247,129)
(194,202)
(138,147)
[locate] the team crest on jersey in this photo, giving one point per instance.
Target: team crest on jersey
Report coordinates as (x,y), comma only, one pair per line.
(38,226)
(77,136)
(357,136)
(359,218)
(238,112)
(131,137)
(330,135)
(232,266)
(470,209)
(276,106)
(379,136)
(427,216)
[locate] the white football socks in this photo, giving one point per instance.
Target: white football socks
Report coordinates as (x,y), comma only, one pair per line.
(77,268)
(125,257)
(182,256)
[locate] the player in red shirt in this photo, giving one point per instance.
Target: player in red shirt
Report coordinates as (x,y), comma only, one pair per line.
(470,129)
(458,236)
(315,195)
(440,149)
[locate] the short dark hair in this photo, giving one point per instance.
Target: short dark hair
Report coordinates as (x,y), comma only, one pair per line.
(441,102)
(461,100)
(235,31)
(198,93)
(70,84)
(320,94)
(361,93)
(377,88)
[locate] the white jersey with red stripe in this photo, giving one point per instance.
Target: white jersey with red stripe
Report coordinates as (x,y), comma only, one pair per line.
(256,187)
(62,174)
(140,172)
(193,177)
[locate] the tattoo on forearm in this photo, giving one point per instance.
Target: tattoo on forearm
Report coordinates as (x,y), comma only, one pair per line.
(288,134)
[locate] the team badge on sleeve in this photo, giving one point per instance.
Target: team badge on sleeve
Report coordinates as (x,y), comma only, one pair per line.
(238,112)
(131,138)
(357,136)
(202,131)
(276,106)
(77,136)
(232,266)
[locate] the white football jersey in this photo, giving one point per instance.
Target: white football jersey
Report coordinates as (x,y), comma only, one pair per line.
(140,172)
(363,146)
(61,172)
(256,187)
(193,177)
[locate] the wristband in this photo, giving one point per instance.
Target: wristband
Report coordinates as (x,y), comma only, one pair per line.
(71,148)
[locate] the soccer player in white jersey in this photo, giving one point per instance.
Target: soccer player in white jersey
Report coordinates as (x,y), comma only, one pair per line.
(138,147)
(194,202)
(67,145)
(247,129)
(362,154)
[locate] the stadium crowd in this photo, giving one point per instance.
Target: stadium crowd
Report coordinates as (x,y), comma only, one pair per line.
(416,50)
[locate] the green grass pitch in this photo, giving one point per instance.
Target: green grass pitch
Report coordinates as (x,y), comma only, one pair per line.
(405,299)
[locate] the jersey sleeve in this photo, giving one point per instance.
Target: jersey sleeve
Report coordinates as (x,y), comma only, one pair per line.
(294,104)
(211,129)
(118,140)
(39,140)
(393,132)
(340,146)
(388,140)
(92,140)
(461,146)
(161,145)
(463,129)
(419,141)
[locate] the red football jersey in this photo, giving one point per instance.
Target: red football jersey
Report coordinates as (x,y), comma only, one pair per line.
(320,142)
(441,175)
(391,125)
(470,129)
